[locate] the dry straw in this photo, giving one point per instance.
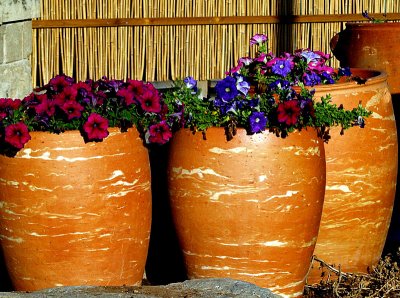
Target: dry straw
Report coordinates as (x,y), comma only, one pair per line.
(175,51)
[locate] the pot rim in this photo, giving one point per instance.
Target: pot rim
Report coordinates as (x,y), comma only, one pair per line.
(374,77)
(369,25)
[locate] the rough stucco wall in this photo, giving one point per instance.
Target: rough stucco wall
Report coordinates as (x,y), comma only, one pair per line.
(16,46)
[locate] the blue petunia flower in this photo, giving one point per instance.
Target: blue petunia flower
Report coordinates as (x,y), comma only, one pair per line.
(328,78)
(310,56)
(282,67)
(311,79)
(258,122)
(344,71)
(226,89)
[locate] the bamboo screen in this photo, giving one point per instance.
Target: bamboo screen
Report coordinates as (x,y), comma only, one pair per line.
(167,52)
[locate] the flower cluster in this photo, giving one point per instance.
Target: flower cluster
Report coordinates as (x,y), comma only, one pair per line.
(91,107)
(270,92)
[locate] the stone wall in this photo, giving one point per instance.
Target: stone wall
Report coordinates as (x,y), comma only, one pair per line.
(16,46)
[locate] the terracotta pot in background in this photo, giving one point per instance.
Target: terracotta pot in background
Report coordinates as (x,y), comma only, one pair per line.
(375,46)
(76,214)
(361,168)
(248,208)
(370,46)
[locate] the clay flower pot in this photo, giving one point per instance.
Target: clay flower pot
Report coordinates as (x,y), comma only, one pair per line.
(248,208)
(372,46)
(361,171)
(375,46)
(75,214)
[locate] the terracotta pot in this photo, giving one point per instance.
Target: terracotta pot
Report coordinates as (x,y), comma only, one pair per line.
(76,214)
(372,46)
(375,46)
(361,171)
(248,208)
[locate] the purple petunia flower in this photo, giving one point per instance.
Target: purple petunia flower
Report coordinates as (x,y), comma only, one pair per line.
(258,122)
(310,56)
(245,60)
(190,82)
(311,79)
(282,67)
(327,78)
(242,85)
(280,84)
(258,39)
(226,89)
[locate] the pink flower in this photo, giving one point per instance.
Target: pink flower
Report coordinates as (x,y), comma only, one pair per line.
(96,127)
(258,39)
(17,135)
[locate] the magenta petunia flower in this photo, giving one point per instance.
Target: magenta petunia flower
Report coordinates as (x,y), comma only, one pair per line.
(137,87)
(73,109)
(17,135)
(96,127)
(159,133)
(150,102)
(7,106)
(258,39)
(58,83)
(127,95)
(45,107)
(288,112)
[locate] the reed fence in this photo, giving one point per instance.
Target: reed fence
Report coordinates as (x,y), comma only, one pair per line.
(159,40)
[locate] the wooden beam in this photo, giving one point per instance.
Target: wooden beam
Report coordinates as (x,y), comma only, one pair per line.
(85,23)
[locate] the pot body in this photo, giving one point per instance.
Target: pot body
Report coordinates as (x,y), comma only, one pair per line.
(361,168)
(248,208)
(371,46)
(76,214)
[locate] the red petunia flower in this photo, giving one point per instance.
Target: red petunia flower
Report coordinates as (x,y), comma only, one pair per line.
(159,133)
(288,112)
(96,127)
(73,109)
(17,135)
(150,102)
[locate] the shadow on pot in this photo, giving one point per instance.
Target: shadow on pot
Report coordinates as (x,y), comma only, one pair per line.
(5,281)
(392,244)
(165,261)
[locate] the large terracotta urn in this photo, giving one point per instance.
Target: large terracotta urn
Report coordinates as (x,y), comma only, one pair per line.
(361,171)
(248,208)
(375,46)
(76,213)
